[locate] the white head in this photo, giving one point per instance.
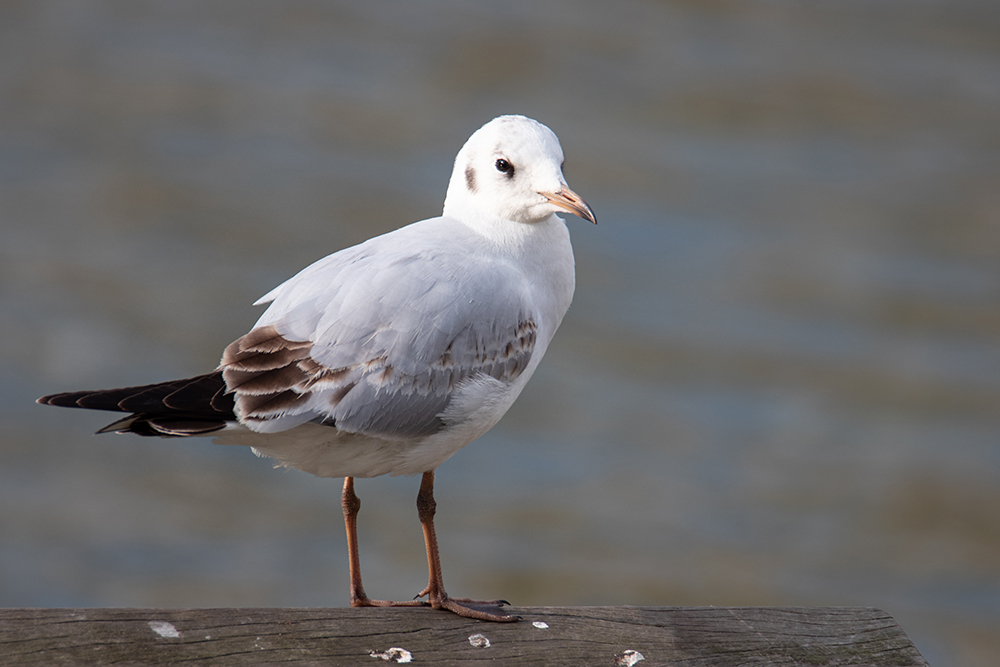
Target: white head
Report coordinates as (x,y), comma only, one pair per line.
(511,168)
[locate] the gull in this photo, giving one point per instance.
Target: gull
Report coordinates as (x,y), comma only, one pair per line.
(390,356)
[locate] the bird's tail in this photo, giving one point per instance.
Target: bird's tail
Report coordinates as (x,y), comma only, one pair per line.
(191,406)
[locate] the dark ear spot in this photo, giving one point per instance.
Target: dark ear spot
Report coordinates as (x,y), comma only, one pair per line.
(470,178)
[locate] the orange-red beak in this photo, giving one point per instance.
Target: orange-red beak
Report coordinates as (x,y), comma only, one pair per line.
(570,202)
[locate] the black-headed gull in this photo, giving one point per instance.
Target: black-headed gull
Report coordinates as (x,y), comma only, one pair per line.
(389,357)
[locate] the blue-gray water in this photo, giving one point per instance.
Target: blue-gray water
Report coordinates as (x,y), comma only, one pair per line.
(779,383)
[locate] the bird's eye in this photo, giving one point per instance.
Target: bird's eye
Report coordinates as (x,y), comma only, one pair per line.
(505,167)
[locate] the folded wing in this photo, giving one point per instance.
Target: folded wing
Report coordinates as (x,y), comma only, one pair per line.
(375,340)
(379,347)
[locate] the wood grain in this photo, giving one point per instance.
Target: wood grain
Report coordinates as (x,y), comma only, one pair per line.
(807,636)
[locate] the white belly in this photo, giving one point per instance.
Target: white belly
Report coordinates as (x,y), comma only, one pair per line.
(326,452)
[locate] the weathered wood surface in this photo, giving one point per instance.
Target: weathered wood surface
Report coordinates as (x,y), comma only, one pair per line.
(574,636)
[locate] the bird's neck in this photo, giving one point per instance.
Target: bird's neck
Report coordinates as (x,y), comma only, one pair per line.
(543,253)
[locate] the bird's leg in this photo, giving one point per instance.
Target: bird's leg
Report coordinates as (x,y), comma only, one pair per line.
(436,596)
(435,593)
(352,504)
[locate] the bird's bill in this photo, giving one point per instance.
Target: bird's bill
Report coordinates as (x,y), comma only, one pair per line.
(571,202)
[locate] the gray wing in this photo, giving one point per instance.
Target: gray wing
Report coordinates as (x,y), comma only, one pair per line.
(376,339)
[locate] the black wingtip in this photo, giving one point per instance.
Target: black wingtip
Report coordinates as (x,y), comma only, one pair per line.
(67,400)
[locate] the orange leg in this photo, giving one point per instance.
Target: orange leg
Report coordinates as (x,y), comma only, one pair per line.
(485,610)
(436,595)
(352,504)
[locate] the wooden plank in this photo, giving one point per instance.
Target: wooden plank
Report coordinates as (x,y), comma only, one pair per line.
(690,636)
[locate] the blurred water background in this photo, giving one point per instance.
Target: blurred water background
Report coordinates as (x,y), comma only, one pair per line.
(779,383)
